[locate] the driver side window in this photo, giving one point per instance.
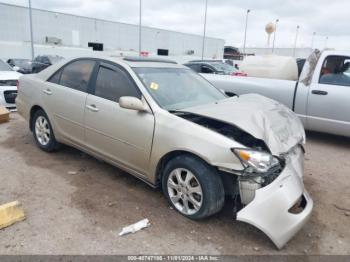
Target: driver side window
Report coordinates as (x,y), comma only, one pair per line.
(335,71)
(112,83)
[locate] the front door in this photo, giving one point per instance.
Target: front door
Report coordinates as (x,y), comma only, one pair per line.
(329,98)
(122,135)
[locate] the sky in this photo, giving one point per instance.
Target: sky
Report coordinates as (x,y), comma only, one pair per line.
(225,18)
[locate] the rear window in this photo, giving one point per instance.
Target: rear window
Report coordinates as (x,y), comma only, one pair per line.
(77,74)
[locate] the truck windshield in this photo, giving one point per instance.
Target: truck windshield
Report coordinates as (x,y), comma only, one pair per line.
(177,88)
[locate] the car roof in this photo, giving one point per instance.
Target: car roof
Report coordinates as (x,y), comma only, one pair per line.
(134,61)
(124,61)
(336,52)
(197,63)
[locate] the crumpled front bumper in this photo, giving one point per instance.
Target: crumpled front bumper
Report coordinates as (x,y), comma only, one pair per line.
(269,209)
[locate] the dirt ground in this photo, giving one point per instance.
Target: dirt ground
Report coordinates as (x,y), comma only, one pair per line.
(83,213)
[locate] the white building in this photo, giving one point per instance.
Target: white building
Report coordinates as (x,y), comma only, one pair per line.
(72,35)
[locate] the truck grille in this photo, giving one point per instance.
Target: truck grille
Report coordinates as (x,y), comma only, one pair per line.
(10,96)
(8,82)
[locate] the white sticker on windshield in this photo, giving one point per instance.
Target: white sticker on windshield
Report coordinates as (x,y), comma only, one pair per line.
(154,86)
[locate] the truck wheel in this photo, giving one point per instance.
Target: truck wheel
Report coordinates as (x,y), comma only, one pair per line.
(193,187)
(43,133)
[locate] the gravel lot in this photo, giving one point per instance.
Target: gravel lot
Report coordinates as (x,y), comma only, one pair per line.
(83,213)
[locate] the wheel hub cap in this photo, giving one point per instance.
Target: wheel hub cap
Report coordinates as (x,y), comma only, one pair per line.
(42,130)
(185,191)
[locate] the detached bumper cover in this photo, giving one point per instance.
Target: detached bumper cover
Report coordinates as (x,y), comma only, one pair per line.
(269,209)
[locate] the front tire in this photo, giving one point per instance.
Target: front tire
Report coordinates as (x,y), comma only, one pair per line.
(193,187)
(43,132)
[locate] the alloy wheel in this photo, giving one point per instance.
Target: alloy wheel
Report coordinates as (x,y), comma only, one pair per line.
(184,191)
(42,130)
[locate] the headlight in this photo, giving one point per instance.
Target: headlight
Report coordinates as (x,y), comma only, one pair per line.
(259,161)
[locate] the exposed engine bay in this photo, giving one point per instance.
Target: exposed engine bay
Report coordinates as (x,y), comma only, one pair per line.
(228,130)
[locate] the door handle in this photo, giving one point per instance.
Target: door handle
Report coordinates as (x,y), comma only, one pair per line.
(92,108)
(319,92)
(47,91)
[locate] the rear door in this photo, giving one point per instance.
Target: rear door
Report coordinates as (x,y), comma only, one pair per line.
(124,136)
(328,107)
(65,96)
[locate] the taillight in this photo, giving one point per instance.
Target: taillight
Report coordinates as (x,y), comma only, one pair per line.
(239,74)
(17,84)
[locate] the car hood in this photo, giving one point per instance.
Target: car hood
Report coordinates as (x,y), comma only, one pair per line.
(259,116)
(9,75)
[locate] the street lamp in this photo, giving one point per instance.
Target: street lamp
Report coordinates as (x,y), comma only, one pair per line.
(156,41)
(205,27)
(140,24)
(312,39)
(245,31)
(31,28)
(274,35)
(295,41)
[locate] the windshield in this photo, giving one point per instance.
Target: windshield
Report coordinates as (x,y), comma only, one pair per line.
(177,88)
(5,66)
(228,69)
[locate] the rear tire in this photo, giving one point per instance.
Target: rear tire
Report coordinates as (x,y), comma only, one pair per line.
(43,132)
(193,187)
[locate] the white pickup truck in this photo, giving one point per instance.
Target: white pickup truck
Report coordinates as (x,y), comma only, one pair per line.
(321,96)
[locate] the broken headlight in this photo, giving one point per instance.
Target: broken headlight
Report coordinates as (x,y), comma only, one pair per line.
(256,161)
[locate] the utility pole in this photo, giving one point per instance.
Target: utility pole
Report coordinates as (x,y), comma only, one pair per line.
(245,31)
(296,38)
(140,27)
(31,29)
(274,35)
(312,39)
(205,27)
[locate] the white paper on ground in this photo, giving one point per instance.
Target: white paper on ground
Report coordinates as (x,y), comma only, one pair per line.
(135,227)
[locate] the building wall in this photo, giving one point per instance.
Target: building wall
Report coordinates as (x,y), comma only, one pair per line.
(77,31)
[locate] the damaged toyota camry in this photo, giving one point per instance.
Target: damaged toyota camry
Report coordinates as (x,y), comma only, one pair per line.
(168,126)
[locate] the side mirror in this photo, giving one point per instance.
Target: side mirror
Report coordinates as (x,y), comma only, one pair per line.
(133,103)
(16,68)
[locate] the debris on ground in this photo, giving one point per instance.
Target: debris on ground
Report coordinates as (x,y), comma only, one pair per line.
(111,204)
(72,172)
(11,213)
(256,249)
(135,227)
(347,213)
(4,115)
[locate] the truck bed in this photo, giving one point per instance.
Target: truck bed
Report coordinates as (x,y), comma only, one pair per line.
(279,90)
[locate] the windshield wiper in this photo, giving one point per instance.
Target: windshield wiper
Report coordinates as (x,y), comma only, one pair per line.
(177,112)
